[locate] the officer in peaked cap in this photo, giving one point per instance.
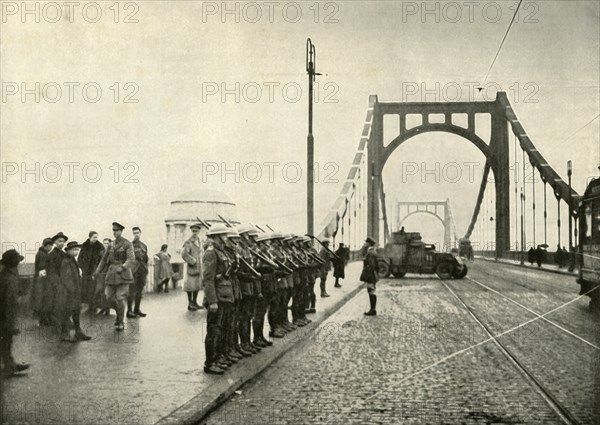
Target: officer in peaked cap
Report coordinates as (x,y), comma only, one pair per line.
(120,260)
(117,226)
(191,253)
(369,273)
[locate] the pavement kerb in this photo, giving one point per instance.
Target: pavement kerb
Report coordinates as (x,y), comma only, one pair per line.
(200,406)
(525,266)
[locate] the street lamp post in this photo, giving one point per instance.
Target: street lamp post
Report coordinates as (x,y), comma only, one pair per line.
(522,230)
(570,254)
(311,64)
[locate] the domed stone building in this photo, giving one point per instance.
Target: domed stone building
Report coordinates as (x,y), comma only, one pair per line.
(204,204)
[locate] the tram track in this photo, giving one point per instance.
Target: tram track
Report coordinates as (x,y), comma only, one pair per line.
(525,359)
(576,320)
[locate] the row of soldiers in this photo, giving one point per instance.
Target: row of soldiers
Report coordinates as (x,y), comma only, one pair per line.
(249,276)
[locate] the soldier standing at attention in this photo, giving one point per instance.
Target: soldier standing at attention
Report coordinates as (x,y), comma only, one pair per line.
(120,259)
(9,291)
(192,255)
(311,297)
(140,274)
(263,300)
(369,273)
(232,251)
(216,272)
(326,257)
(247,284)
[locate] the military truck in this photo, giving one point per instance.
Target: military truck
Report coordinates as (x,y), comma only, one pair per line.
(407,253)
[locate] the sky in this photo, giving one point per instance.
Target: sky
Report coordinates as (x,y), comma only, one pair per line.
(147,100)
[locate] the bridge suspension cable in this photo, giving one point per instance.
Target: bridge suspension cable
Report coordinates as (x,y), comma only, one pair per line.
(500,47)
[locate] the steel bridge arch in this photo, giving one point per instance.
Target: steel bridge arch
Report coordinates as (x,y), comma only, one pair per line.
(422,212)
(465,133)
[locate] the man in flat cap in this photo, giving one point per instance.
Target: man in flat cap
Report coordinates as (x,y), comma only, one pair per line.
(9,282)
(140,274)
(120,259)
(69,296)
(9,290)
(53,262)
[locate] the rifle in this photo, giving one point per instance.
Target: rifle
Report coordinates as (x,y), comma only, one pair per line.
(243,261)
(327,248)
(262,257)
(316,258)
(259,228)
(284,267)
(227,223)
(204,223)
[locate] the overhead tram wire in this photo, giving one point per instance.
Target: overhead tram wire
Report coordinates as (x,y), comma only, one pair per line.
(500,47)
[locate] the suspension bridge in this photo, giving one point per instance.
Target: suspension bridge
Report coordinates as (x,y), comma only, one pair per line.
(360,209)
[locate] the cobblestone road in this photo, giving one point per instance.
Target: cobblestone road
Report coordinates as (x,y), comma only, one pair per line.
(412,364)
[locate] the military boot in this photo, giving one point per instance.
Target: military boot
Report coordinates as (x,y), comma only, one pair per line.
(213,369)
(266,341)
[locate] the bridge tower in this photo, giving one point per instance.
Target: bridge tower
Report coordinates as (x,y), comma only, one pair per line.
(496,152)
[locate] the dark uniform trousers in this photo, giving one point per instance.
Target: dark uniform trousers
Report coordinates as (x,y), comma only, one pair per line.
(276,305)
(289,294)
(247,304)
(261,307)
(299,295)
(234,320)
(311,297)
(137,287)
(217,332)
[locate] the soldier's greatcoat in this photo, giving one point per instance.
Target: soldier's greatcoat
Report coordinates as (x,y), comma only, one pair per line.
(192,255)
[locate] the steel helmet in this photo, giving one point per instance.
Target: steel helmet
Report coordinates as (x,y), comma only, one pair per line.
(264,237)
(243,228)
(218,229)
(233,233)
